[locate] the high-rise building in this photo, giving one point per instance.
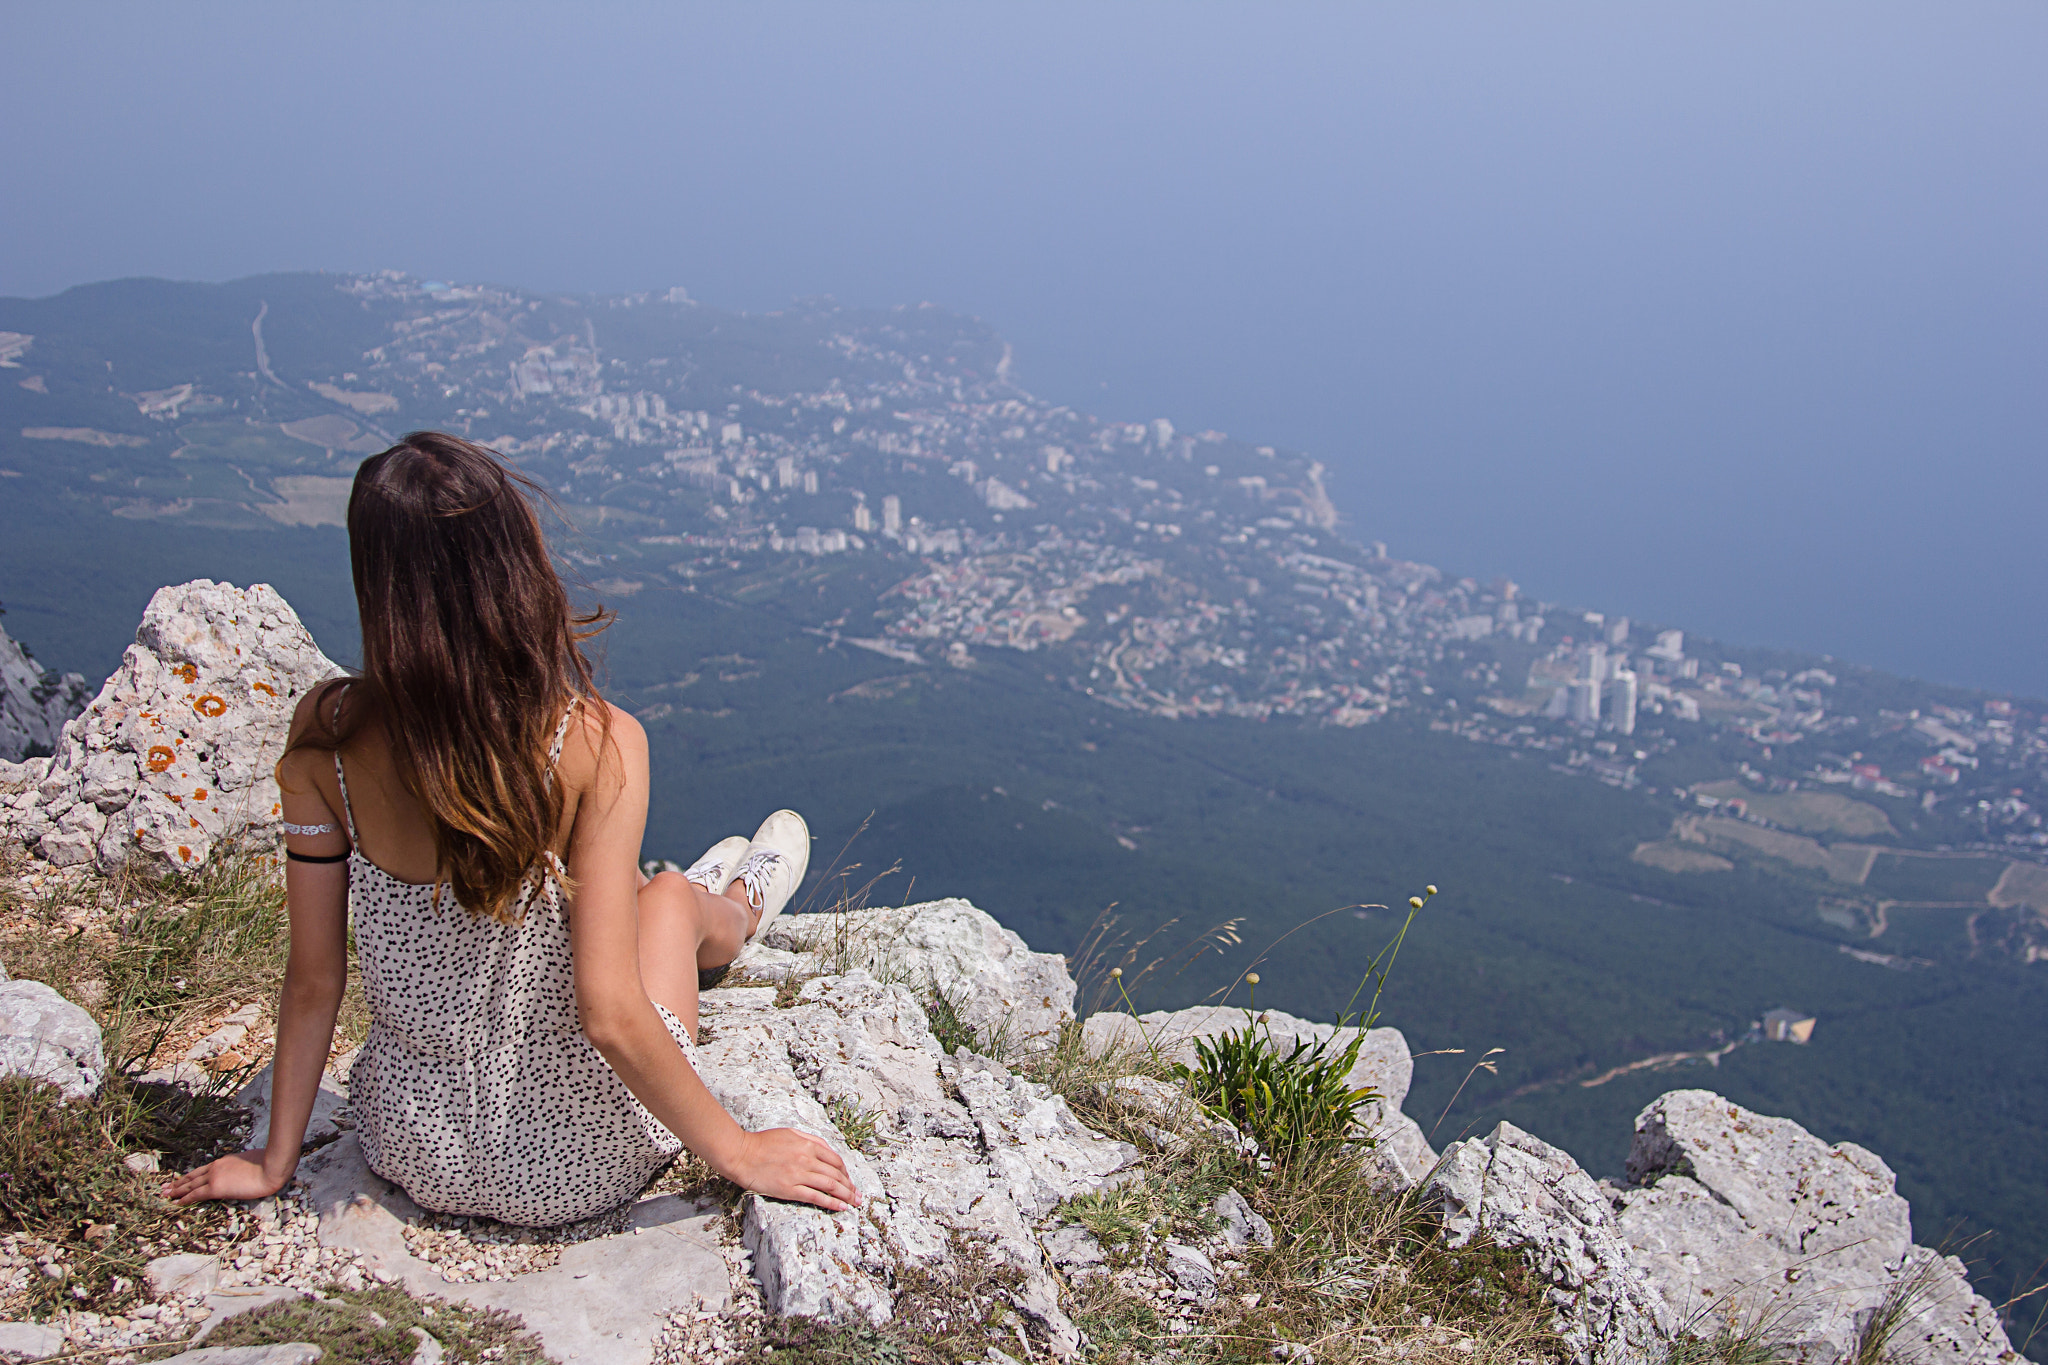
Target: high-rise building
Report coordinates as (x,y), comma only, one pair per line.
(785,471)
(1617,634)
(1621,703)
(1670,645)
(892,515)
(810,481)
(1585,702)
(863,520)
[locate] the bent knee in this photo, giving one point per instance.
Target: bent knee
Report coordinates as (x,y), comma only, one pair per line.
(670,893)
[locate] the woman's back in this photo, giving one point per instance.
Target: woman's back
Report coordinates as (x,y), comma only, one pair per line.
(397,834)
(476,1089)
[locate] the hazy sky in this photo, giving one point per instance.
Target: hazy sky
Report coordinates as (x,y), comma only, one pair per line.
(1725,315)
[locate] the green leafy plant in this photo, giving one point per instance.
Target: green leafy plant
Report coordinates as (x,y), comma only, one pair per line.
(855,1123)
(1297,1103)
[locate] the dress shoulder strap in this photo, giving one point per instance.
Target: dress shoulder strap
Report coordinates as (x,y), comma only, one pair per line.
(561,733)
(348,815)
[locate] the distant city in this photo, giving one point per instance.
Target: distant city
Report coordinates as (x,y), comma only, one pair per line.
(1183,574)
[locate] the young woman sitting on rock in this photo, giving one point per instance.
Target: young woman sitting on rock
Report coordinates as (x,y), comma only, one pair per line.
(475,810)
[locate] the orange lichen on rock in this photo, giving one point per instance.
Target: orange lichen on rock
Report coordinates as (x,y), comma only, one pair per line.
(189,672)
(263,687)
(211,705)
(161,756)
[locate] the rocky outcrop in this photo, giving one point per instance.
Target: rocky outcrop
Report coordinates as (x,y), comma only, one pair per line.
(1401,1155)
(966,1155)
(46,1036)
(1531,1198)
(1004,994)
(1741,1218)
(34,703)
(173,758)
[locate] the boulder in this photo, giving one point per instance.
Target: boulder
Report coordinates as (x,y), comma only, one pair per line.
(44,1035)
(172,760)
(1531,1198)
(1740,1216)
(965,1154)
(1401,1155)
(1006,995)
(34,704)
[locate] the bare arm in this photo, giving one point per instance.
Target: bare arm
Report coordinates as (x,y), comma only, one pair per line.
(619,1018)
(316,974)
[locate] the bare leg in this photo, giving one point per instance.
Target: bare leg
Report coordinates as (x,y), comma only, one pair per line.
(684,928)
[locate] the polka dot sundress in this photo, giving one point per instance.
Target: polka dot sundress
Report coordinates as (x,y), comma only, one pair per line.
(476,1092)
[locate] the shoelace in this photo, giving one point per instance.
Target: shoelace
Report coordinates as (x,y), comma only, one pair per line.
(755,873)
(705,874)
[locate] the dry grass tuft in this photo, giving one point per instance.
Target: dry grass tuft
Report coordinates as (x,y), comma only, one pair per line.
(156,958)
(156,961)
(375,1327)
(1355,1274)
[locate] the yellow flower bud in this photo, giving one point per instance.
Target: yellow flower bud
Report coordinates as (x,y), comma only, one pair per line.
(1251,978)
(1115,972)
(1415,901)
(1430,889)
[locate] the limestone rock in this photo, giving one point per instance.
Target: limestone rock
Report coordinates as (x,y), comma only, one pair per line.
(1073,1246)
(604,1300)
(320,1125)
(1744,1215)
(44,1035)
(284,1353)
(1242,1226)
(1192,1271)
(1534,1199)
(187,1273)
(1401,1155)
(965,1152)
(236,1300)
(173,758)
(28,1341)
(34,704)
(1002,989)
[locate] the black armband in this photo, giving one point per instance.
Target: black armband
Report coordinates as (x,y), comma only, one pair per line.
(299,857)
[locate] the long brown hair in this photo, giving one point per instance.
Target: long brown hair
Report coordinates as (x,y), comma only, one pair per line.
(471,655)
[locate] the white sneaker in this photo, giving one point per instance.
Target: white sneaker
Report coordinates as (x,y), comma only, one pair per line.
(775,865)
(715,870)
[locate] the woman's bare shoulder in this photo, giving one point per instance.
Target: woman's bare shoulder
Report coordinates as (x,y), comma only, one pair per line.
(309,750)
(313,717)
(599,733)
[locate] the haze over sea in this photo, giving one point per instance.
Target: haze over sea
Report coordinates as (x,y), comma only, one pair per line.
(1728,317)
